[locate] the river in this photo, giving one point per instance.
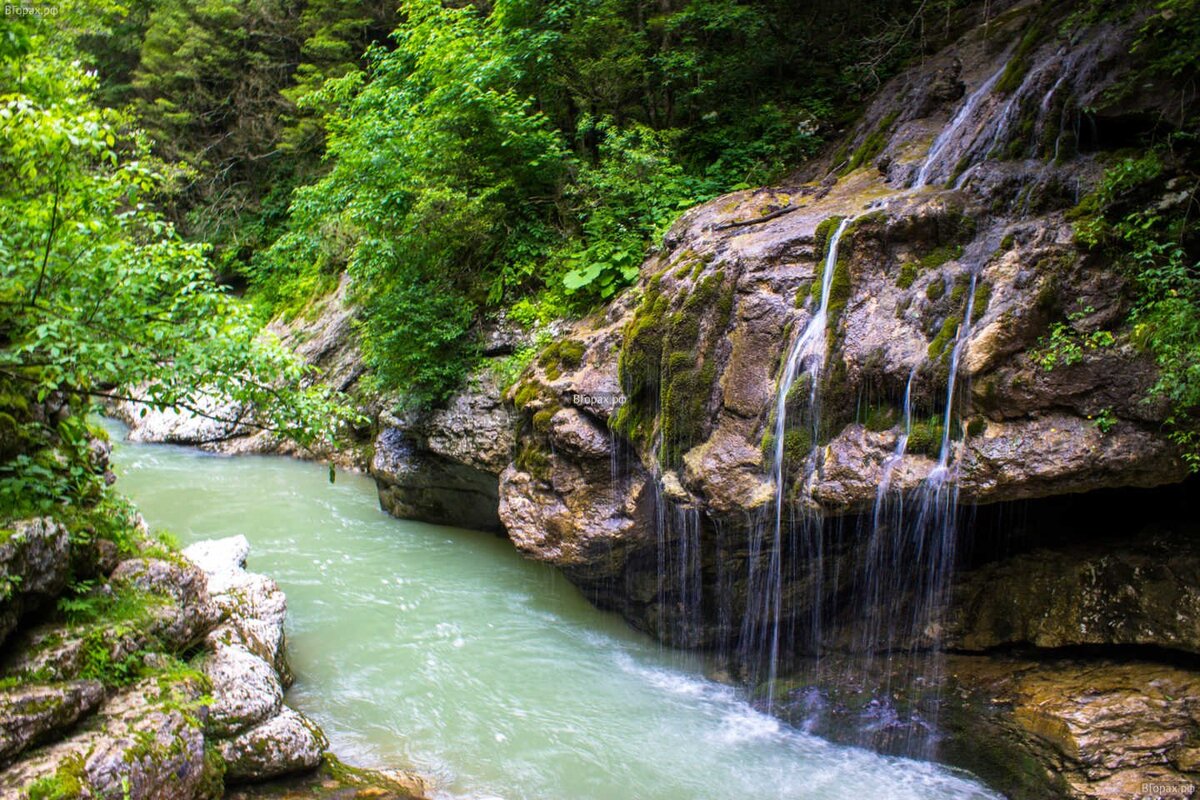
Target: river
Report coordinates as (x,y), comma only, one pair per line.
(443,651)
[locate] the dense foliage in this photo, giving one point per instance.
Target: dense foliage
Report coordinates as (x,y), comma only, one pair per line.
(99,296)
(511,156)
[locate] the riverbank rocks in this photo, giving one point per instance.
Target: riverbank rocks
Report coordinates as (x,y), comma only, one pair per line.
(334,780)
(164,606)
(145,743)
(34,564)
(186,726)
(285,743)
(33,712)
(258,736)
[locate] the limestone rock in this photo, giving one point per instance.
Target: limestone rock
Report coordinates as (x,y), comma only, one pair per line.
(31,713)
(146,743)
(246,689)
(34,565)
(287,742)
(217,420)
(191,614)
(417,484)
(252,605)
(258,736)
(177,614)
(1107,728)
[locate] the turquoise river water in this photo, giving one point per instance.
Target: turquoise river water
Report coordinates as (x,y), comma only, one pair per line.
(443,651)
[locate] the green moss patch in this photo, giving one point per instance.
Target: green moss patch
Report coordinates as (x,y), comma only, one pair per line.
(533,460)
(925,438)
(561,356)
(1018,66)
(880,418)
(872,145)
(945,337)
(979,306)
(667,364)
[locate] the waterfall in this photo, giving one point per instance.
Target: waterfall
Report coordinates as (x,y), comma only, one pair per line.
(950,133)
(885,480)
(762,627)
(901,583)
(960,345)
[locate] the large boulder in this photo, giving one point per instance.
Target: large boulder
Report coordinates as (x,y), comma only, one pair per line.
(34,565)
(246,689)
(286,743)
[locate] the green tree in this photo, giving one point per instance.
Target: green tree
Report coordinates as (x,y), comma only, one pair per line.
(98,294)
(440,174)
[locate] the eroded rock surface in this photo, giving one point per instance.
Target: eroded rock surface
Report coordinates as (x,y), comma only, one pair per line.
(31,713)
(1140,592)
(34,565)
(145,743)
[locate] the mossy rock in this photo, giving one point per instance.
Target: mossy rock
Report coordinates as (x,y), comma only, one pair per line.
(925,437)
(1020,63)
(943,342)
(872,144)
(667,365)
(936,289)
(541,418)
(333,780)
(979,306)
(533,460)
(821,237)
(962,283)
(879,418)
(797,445)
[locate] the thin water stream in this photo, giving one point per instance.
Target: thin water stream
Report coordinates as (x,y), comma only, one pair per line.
(444,651)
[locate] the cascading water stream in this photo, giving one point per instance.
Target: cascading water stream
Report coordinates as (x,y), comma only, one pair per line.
(807,358)
(950,133)
(889,466)
(960,345)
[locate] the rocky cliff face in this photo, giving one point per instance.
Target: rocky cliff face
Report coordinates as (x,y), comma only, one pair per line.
(696,348)
(644,461)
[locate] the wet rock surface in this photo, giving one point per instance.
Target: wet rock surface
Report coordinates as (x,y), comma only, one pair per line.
(1032,728)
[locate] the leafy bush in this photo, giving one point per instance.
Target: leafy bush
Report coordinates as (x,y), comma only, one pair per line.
(1139,215)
